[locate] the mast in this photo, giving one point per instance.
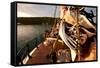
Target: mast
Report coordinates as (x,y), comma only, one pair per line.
(52,52)
(54,20)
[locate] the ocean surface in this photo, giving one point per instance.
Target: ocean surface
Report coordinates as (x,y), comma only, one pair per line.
(25,33)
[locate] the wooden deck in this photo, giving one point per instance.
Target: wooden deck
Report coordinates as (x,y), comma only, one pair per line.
(39,56)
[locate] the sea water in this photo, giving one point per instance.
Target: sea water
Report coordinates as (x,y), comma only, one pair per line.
(25,33)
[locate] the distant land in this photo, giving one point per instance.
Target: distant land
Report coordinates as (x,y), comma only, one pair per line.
(36,20)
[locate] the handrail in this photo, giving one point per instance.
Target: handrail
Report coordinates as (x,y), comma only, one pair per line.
(23,52)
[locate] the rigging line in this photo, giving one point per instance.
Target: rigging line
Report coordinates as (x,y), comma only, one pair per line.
(53,46)
(54,18)
(54,27)
(55,15)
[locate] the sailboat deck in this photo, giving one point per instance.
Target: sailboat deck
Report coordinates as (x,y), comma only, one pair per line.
(40,55)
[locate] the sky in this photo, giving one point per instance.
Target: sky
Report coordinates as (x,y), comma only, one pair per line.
(34,10)
(40,10)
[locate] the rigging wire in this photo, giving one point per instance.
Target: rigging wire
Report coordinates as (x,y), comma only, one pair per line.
(55,21)
(53,54)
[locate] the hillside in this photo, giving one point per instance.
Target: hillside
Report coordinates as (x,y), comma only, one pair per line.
(36,20)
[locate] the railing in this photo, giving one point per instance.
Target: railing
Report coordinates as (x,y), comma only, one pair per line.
(22,53)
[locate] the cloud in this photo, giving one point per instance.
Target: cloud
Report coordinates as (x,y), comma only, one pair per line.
(35,10)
